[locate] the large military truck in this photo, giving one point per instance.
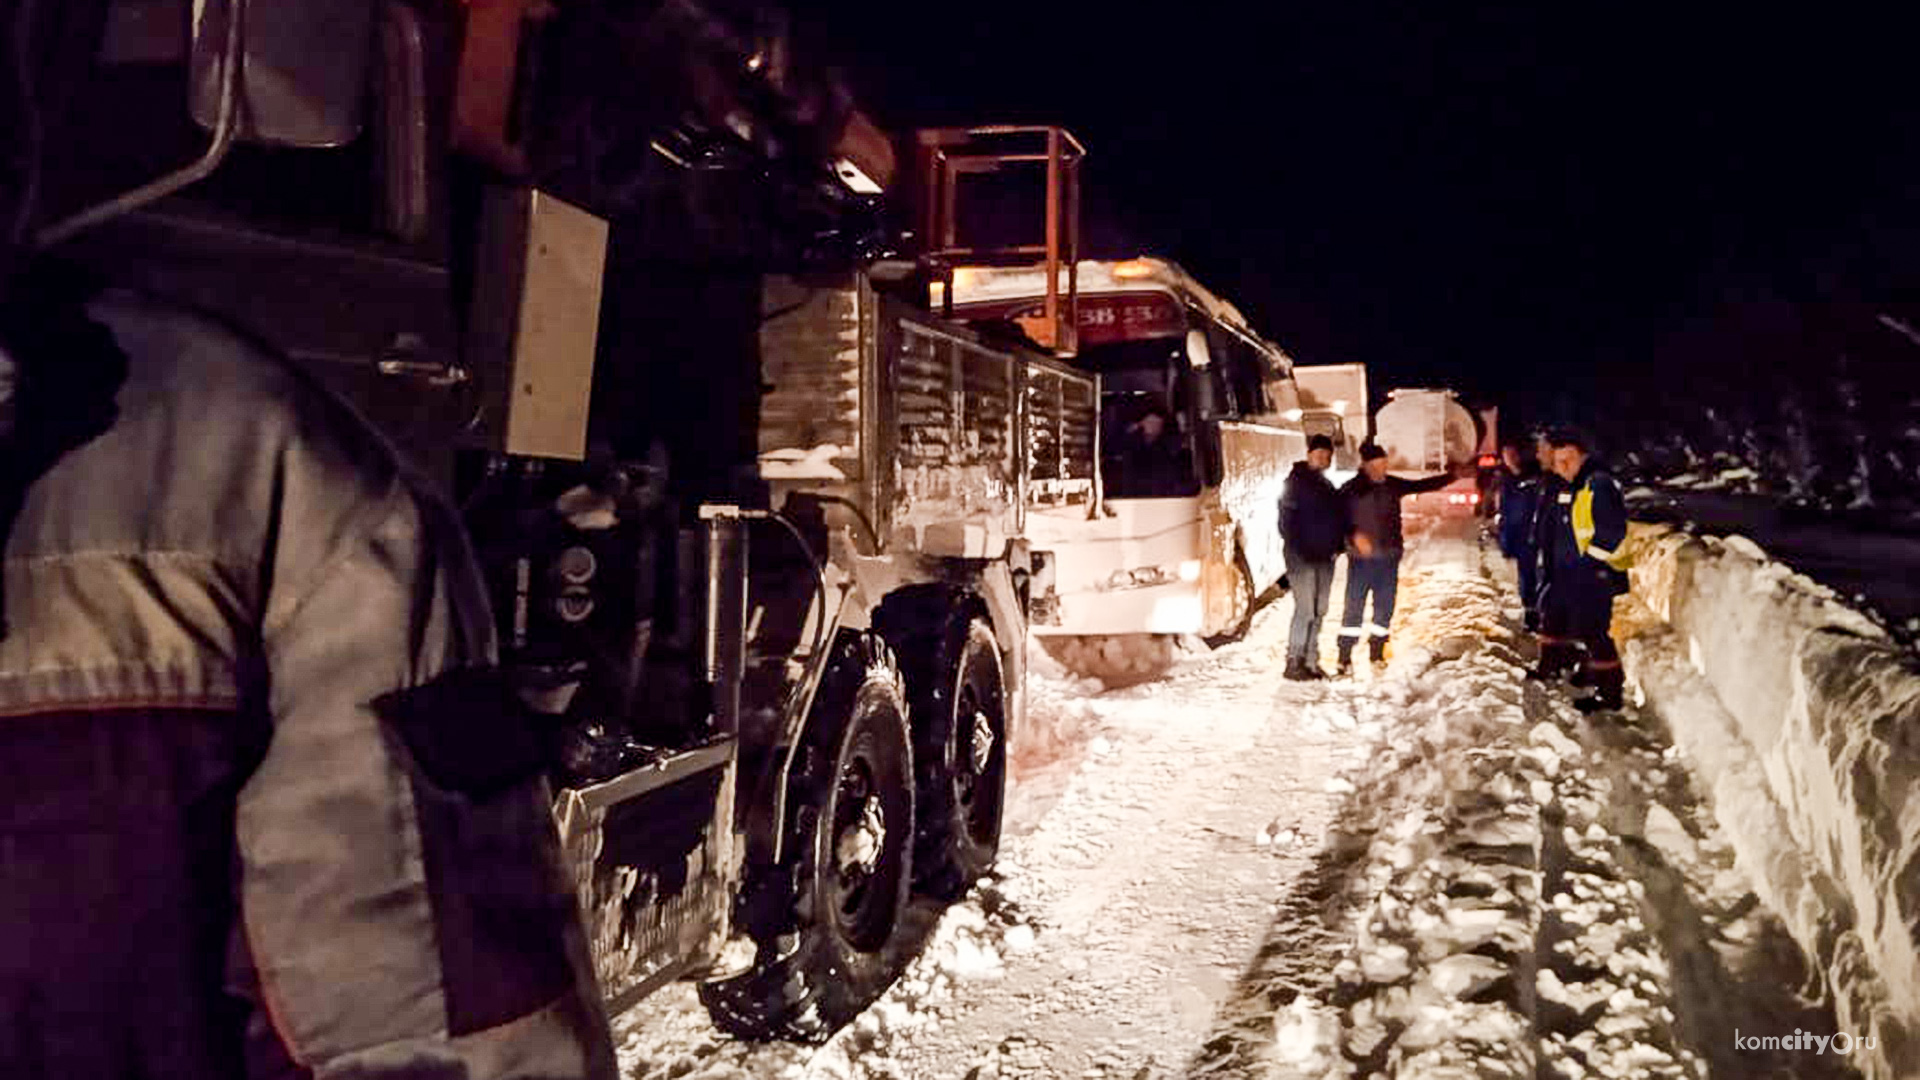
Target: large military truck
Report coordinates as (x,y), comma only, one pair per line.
(623,281)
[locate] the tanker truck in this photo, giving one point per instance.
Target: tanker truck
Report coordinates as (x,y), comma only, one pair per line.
(1426,431)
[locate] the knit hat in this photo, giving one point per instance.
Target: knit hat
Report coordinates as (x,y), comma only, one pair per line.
(1319,442)
(1371,452)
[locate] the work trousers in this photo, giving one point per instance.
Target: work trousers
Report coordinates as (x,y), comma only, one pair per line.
(1312,585)
(1577,606)
(1378,577)
(1529,564)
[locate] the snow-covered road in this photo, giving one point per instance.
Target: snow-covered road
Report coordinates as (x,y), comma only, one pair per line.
(1158,828)
(1226,875)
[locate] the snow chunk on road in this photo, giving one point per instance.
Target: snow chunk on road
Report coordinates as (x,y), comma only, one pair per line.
(1459,976)
(1548,735)
(1306,1038)
(1386,963)
(1019,939)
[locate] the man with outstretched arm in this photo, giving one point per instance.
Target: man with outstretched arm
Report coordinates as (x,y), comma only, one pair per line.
(1375,543)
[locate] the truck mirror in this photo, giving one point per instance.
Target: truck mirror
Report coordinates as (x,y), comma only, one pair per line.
(303,68)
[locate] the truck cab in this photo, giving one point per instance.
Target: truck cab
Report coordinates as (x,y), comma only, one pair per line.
(1333,402)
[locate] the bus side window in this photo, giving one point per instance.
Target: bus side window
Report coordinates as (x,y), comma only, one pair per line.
(1246,371)
(1282,394)
(1255,374)
(1227,402)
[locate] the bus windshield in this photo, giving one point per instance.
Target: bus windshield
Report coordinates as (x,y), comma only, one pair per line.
(1145,429)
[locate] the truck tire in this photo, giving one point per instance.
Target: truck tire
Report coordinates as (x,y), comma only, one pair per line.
(1117,660)
(829,921)
(958,704)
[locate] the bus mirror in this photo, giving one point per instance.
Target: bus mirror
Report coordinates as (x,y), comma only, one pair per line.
(1197,352)
(303,69)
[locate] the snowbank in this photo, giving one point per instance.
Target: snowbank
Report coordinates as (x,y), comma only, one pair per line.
(1800,716)
(1742,617)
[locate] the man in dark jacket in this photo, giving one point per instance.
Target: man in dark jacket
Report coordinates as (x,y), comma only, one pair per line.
(1587,536)
(1313,524)
(1519,502)
(1375,544)
(1546,497)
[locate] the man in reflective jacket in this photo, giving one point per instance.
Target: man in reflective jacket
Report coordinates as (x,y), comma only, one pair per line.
(1586,549)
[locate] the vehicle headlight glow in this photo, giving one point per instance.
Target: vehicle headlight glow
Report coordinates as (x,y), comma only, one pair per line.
(1146,577)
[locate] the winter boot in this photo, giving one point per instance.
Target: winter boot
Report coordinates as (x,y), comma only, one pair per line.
(1345,665)
(1609,691)
(1297,670)
(1556,659)
(1377,649)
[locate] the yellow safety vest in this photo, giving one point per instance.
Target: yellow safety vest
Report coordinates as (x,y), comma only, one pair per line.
(1619,558)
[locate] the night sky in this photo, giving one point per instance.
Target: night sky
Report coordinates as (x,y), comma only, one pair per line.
(1503,200)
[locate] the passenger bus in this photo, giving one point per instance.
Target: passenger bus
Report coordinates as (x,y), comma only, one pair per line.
(1199,425)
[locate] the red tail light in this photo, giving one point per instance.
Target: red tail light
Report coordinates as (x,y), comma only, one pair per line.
(1488,461)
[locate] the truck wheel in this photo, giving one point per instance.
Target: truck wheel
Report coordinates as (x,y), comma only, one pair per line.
(1117,660)
(960,749)
(1243,604)
(829,920)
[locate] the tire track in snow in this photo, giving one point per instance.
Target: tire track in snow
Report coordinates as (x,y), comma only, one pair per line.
(1118,924)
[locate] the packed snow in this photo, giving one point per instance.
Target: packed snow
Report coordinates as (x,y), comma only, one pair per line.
(1434,869)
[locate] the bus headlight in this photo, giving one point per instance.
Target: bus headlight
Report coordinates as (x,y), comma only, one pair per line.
(1146,577)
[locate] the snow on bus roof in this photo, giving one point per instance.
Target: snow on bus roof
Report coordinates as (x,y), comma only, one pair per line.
(992,284)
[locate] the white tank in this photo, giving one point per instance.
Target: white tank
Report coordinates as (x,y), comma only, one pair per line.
(1425,431)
